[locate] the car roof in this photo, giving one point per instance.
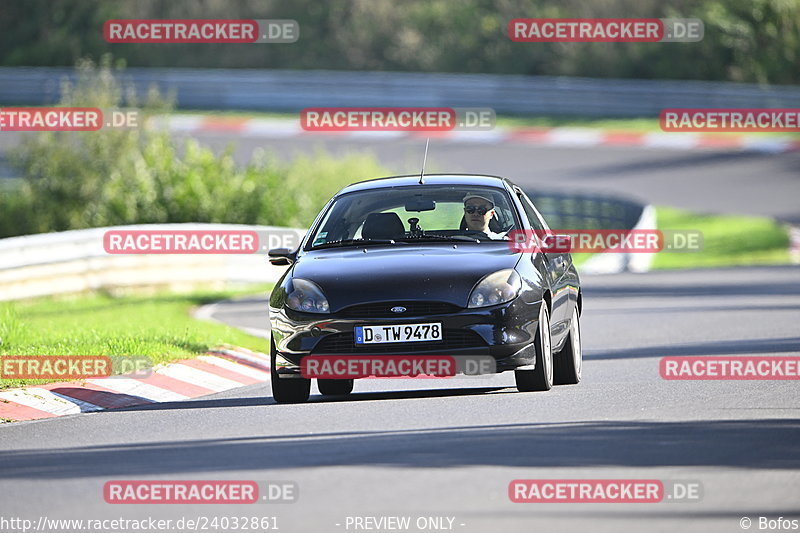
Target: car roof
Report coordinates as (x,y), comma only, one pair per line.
(429,179)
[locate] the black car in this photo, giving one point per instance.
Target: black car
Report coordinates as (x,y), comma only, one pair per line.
(408,250)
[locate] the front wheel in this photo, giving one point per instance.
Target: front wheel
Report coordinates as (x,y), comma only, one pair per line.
(569,361)
(541,377)
(287,390)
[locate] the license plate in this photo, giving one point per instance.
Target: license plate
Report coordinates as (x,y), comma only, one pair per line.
(398,333)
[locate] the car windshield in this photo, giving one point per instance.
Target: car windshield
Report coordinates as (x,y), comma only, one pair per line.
(416,213)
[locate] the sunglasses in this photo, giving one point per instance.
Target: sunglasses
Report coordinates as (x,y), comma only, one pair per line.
(482,210)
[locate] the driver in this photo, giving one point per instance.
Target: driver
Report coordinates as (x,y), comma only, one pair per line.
(478,211)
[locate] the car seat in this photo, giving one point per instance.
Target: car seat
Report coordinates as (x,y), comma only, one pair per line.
(383,226)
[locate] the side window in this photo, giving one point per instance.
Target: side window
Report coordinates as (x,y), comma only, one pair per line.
(536,220)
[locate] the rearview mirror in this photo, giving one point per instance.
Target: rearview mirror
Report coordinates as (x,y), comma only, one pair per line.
(420,204)
(280,256)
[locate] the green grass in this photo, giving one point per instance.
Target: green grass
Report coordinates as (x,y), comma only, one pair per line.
(159,327)
(579,259)
(644,125)
(728,240)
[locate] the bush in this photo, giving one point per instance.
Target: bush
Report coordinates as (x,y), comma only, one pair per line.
(74,180)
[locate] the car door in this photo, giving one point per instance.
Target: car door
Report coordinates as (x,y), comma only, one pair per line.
(557,264)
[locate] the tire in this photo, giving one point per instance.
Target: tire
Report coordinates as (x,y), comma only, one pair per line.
(567,363)
(287,390)
(541,377)
(335,387)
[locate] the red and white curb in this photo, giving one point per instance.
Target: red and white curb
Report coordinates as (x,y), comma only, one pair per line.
(217,371)
(556,137)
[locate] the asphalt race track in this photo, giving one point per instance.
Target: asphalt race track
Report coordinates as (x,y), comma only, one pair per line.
(450,448)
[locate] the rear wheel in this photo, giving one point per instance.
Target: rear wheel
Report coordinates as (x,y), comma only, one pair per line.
(567,363)
(541,377)
(335,387)
(287,390)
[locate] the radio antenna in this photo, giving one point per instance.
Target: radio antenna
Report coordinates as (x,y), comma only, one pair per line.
(424,160)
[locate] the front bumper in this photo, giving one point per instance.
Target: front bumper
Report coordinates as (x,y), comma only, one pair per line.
(505,332)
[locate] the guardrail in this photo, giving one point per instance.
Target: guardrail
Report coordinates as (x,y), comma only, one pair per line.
(292,90)
(75,261)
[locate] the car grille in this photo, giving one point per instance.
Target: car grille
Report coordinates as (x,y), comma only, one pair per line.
(453,339)
(383,309)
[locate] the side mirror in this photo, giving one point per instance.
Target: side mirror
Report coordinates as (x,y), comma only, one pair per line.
(280,256)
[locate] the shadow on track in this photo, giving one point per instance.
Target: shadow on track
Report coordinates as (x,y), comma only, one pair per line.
(749,308)
(674,162)
(355,397)
(734,347)
(748,443)
(673,290)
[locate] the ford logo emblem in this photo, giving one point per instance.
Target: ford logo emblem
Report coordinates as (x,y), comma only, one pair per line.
(398,309)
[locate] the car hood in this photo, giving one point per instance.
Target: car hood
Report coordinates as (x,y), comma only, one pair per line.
(437,272)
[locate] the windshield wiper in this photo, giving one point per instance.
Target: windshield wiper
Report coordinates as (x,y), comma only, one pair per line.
(352,242)
(436,237)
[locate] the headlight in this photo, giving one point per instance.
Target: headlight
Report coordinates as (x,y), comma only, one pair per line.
(498,288)
(306,296)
